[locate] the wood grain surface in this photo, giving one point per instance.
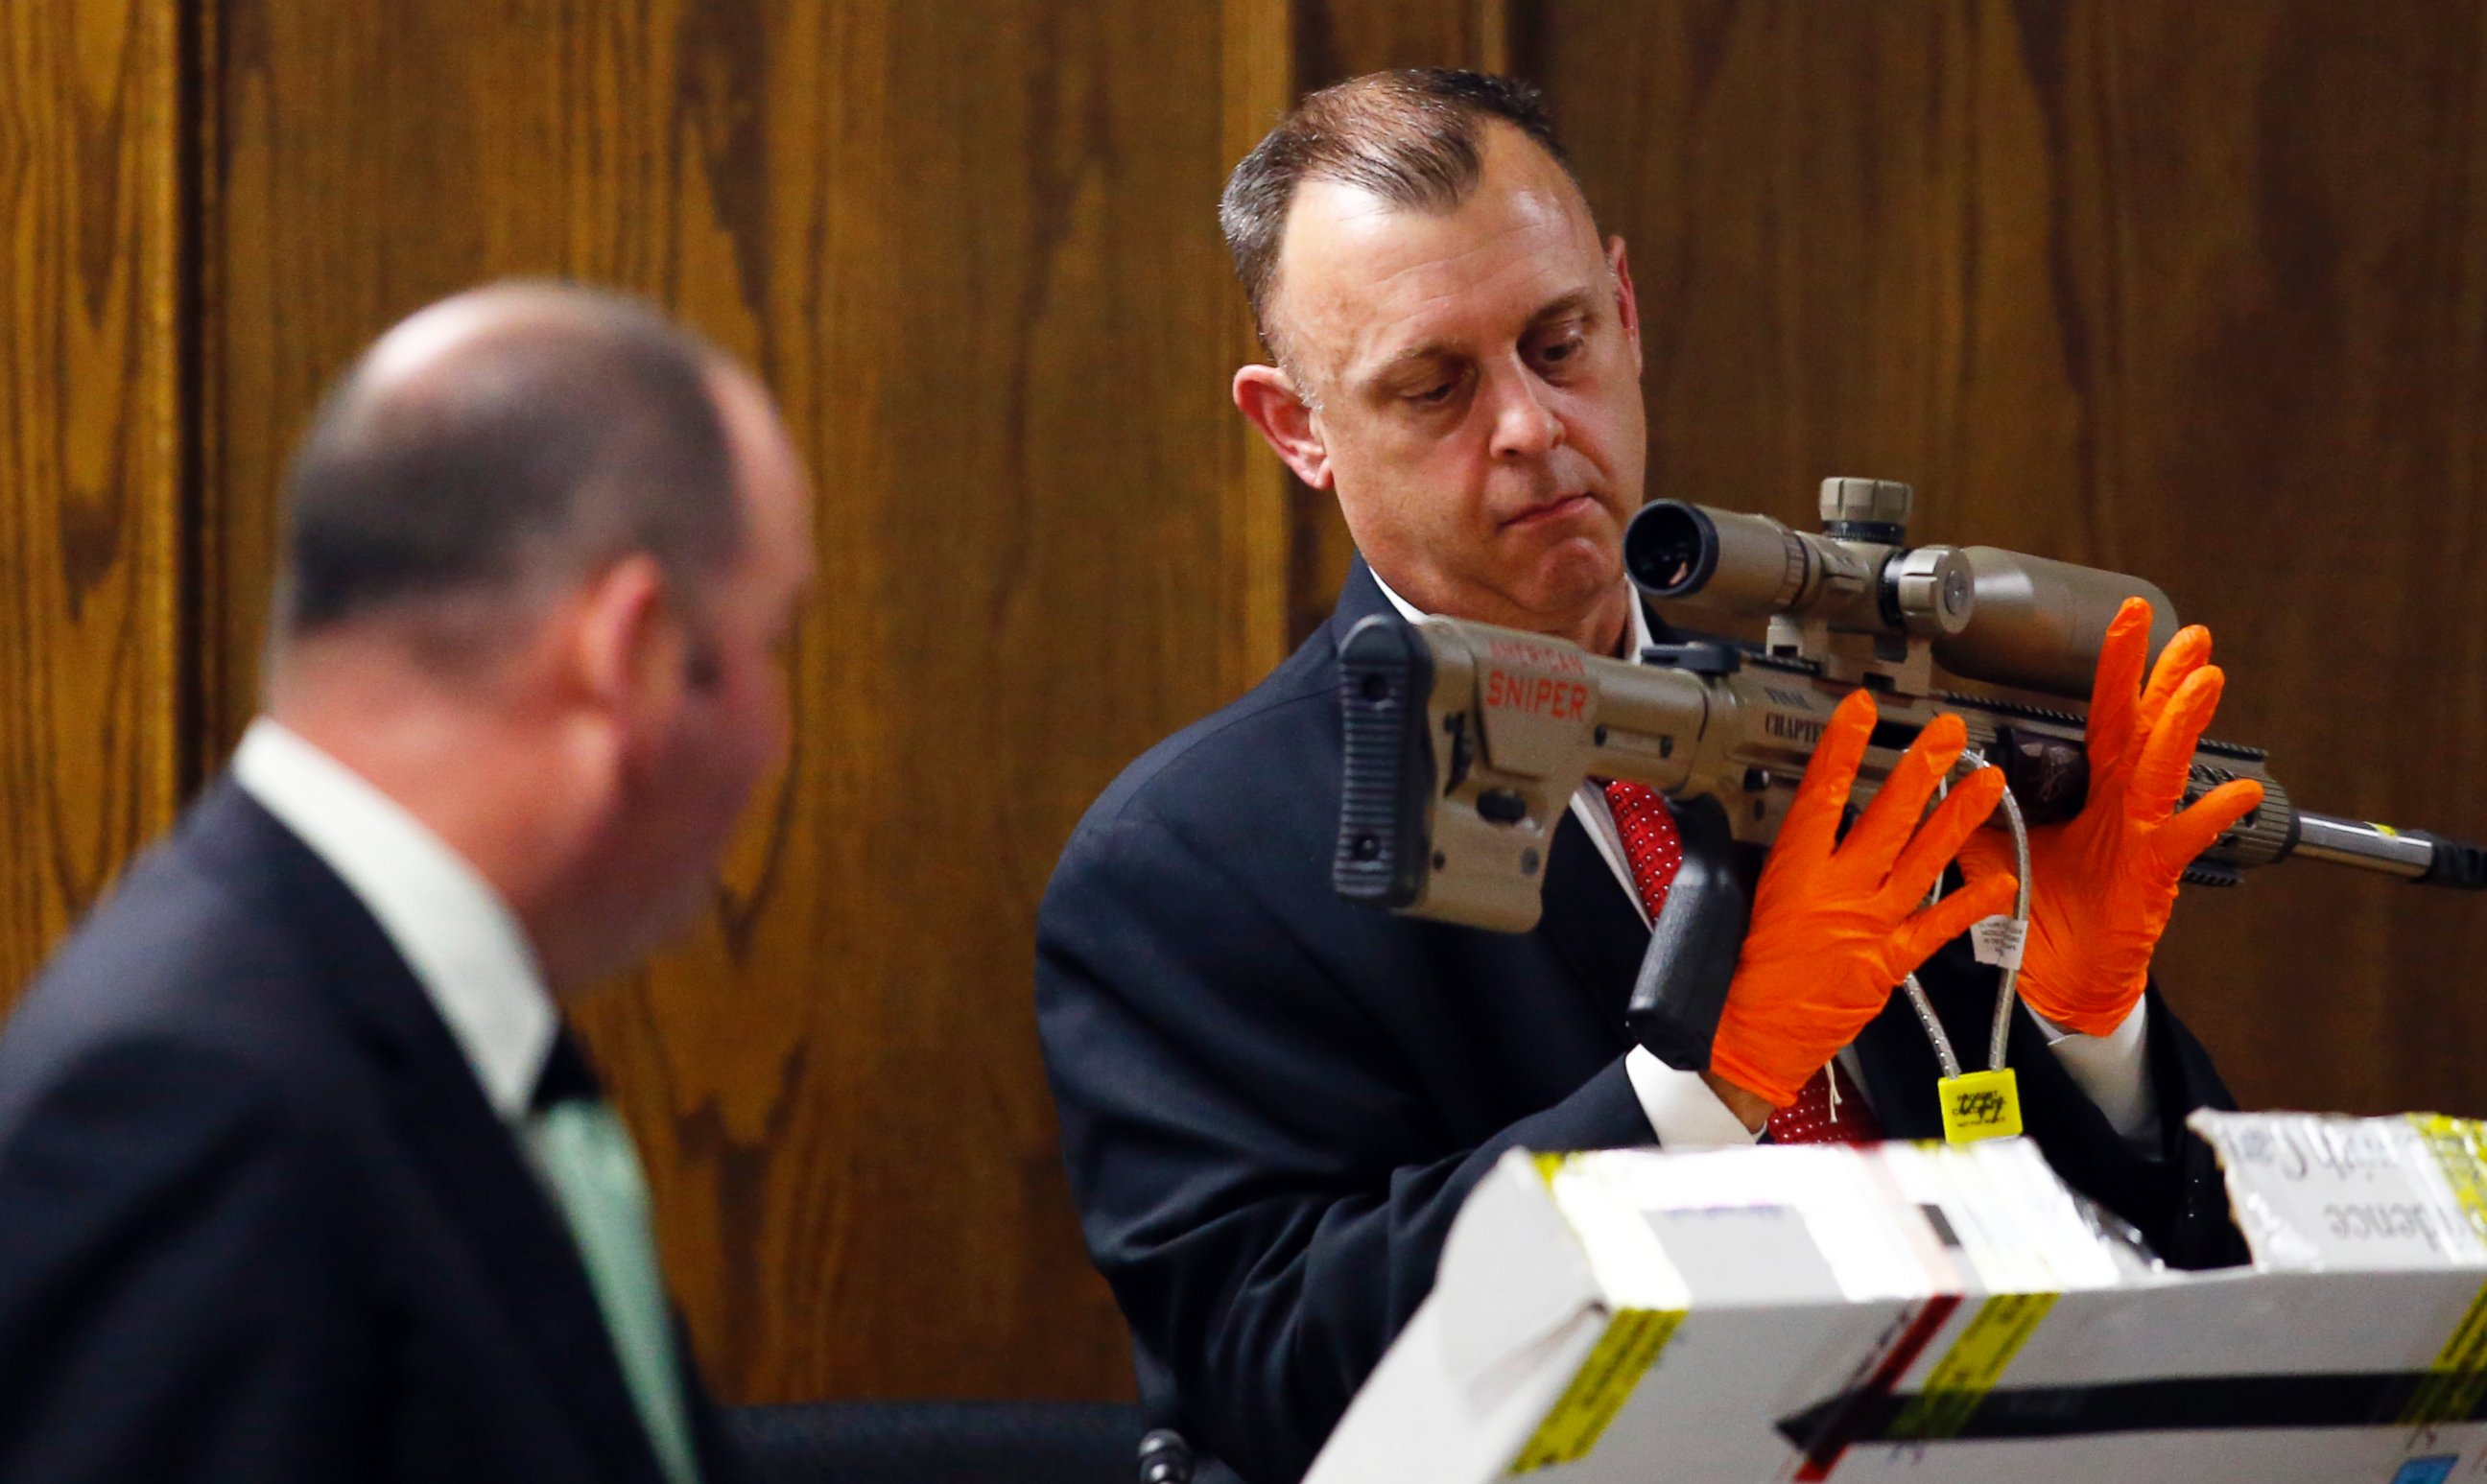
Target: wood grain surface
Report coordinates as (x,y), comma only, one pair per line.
(2197,291)
(973,247)
(92,743)
(1257,46)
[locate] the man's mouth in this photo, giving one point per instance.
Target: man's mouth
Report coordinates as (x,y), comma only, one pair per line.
(1551,510)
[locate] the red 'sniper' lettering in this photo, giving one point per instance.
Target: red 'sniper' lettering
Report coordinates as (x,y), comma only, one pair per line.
(1536,696)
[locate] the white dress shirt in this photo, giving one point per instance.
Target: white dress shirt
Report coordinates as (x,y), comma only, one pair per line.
(454,931)
(1682,1109)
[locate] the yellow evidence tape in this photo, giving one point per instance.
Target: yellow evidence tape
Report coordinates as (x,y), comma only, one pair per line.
(2458,1379)
(1634,1339)
(1580,1417)
(1969,1369)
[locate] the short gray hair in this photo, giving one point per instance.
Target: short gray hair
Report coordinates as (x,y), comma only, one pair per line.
(1412,137)
(570,428)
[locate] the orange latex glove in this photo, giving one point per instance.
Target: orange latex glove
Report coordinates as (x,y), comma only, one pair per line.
(2103,882)
(1838,924)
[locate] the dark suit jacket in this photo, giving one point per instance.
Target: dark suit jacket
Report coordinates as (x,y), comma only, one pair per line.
(1273,1101)
(256,1220)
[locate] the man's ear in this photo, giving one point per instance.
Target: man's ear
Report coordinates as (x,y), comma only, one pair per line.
(1627,306)
(630,649)
(1269,400)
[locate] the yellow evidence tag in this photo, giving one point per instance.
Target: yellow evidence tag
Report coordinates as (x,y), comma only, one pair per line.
(1980,1105)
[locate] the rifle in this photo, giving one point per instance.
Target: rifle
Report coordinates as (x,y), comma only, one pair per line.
(1466,741)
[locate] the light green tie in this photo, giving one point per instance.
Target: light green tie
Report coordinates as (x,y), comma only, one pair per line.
(587,1158)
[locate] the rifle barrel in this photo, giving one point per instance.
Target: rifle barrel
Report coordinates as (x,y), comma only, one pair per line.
(2368,847)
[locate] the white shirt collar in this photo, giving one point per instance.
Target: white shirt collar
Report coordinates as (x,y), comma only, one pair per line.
(1641,637)
(454,931)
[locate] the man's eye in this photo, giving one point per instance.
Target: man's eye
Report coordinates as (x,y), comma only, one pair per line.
(1561,350)
(1435,396)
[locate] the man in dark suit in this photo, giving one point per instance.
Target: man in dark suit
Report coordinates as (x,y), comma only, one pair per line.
(299,1176)
(1272,1103)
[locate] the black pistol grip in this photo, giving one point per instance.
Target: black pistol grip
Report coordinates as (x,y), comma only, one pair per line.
(1382,852)
(2050,776)
(1693,945)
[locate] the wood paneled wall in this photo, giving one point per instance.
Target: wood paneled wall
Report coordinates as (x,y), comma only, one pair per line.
(971,249)
(92,684)
(2196,292)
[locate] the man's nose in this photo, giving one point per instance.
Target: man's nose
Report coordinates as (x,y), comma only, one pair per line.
(1524,425)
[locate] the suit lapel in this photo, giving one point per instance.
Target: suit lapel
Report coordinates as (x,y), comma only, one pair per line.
(1900,1071)
(1359,598)
(466,1153)
(1594,927)
(518,1238)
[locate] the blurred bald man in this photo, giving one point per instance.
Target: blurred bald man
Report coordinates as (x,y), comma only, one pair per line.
(299,1176)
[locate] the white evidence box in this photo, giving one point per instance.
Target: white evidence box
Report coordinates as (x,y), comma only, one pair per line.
(1927,1313)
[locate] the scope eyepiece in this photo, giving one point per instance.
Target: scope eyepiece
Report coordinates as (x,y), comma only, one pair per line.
(1737,563)
(1672,548)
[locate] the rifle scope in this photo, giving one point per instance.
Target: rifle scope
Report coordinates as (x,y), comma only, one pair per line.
(1989,614)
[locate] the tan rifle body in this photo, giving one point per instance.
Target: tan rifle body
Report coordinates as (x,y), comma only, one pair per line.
(1514,723)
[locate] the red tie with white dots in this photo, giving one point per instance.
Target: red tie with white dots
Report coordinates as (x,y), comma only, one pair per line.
(1654,852)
